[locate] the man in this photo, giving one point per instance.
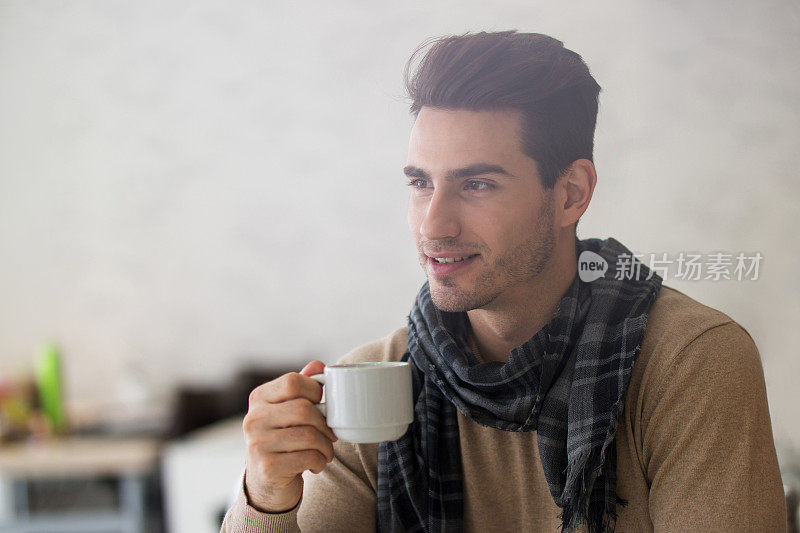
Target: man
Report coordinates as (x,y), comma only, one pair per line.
(542,400)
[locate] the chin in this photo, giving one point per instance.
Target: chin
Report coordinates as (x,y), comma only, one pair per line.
(456,300)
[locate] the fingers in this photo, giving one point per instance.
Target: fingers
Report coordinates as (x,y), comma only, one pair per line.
(287,387)
(297,412)
(314,367)
(295,439)
(289,464)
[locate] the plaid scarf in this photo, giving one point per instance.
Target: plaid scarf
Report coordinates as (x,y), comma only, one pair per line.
(567,383)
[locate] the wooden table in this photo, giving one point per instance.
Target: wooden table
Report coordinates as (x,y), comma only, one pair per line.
(129,461)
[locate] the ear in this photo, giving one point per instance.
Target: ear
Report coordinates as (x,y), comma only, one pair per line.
(574,190)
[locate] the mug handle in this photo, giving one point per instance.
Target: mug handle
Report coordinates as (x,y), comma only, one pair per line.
(322,406)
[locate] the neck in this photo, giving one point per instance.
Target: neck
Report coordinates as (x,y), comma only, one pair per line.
(515,316)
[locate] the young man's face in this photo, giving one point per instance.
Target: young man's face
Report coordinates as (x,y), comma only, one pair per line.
(475,194)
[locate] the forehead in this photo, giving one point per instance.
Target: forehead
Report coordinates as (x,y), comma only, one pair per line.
(441,134)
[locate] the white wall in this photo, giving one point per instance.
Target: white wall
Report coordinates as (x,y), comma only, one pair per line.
(183,184)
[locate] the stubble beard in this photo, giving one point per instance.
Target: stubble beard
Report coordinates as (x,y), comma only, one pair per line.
(519,265)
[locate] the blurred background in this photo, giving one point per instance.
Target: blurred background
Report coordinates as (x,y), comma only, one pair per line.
(197,196)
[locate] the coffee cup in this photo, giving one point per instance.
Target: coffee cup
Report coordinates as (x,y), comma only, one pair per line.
(367,402)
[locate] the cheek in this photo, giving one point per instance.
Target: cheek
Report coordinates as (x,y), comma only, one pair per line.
(503,229)
(492,235)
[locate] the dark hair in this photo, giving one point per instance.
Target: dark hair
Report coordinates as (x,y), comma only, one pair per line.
(530,72)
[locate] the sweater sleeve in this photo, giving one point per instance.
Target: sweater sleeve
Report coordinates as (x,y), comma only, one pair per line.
(242,518)
(340,498)
(707,445)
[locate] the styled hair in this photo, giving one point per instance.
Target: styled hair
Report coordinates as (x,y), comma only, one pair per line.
(529,72)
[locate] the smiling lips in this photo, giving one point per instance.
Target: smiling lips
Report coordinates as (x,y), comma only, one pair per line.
(445,264)
(449,259)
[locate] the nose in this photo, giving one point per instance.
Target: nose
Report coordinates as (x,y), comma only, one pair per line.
(441,219)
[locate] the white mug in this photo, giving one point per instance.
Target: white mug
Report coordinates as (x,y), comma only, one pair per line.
(367,402)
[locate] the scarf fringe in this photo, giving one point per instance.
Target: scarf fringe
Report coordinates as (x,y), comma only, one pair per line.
(599,517)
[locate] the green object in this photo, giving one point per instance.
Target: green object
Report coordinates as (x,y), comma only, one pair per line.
(48,381)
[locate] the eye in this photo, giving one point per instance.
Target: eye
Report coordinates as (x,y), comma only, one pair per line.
(417,183)
(478,185)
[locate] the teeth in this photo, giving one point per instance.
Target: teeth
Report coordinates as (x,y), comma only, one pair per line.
(449,259)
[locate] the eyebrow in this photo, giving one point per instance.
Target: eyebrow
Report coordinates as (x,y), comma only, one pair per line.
(478,169)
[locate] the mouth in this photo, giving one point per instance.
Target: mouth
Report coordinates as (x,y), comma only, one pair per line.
(443,266)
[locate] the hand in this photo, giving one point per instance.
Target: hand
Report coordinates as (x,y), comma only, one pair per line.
(285,435)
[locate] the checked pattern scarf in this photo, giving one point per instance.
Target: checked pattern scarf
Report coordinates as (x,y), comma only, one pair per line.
(567,383)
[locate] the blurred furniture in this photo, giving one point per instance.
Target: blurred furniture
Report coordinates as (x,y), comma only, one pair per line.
(200,476)
(112,472)
(77,484)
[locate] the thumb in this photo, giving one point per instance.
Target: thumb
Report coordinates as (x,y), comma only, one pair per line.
(314,367)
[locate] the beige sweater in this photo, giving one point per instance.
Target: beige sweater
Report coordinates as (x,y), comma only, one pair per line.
(694,446)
